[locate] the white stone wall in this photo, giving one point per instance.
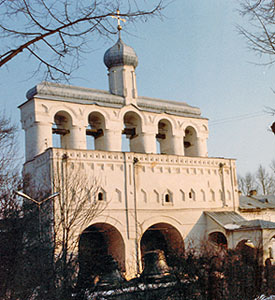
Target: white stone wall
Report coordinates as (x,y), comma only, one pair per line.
(263,214)
(135,193)
(191,182)
(166,180)
(122,81)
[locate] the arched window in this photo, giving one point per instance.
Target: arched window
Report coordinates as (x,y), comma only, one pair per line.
(190,142)
(164,137)
(95,131)
(61,130)
(167,197)
(101,195)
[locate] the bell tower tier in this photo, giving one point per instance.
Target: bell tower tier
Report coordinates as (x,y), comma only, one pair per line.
(69,117)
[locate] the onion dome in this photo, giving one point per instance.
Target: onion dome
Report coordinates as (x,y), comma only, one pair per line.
(120,54)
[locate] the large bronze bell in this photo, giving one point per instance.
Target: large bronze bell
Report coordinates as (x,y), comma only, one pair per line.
(112,277)
(155,265)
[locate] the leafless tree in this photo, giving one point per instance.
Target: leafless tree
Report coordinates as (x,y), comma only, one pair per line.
(265,181)
(59,223)
(246,183)
(9,170)
(76,207)
(56,33)
(261,34)
(10,206)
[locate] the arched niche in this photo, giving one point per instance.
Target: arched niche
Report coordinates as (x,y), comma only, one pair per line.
(95,131)
(164,137)
(131,134)
(218,239)
(99,245)
(190,142)
(61,130)
(165,237)
(203,196)
(192,195)
(212,195)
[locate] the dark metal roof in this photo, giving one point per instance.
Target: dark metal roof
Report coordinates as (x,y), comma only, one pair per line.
(257,224)
(257,202)
(73,94)
(225,217)
(231,220)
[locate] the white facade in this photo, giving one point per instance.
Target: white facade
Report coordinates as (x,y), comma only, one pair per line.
(164,183)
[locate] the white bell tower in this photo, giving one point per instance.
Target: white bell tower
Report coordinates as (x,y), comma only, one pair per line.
(121,61)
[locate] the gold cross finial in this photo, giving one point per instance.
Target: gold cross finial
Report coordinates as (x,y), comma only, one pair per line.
(117,16)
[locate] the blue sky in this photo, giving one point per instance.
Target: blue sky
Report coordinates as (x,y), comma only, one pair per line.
(195,55)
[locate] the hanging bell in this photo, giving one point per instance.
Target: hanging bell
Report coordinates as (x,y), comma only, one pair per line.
(155,266)
(112,277)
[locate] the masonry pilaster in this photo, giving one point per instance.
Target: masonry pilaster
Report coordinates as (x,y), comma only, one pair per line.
(77,137)
(38,138)
(177,145)
(112,140)
(149,142)
(202,147)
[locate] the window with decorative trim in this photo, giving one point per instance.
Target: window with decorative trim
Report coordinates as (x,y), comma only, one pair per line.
(167,198)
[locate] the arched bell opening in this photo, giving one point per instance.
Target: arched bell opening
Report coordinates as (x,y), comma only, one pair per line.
(95,131)
(101,246)
(218,239)
(164,137)
(164,237)
(61,130)
(131,133)
(190,142)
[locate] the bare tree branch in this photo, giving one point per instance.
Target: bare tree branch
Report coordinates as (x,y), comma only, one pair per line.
(261,34)
(27,23)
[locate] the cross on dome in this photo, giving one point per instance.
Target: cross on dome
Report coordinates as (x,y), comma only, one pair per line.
(120,54)
(117,16)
